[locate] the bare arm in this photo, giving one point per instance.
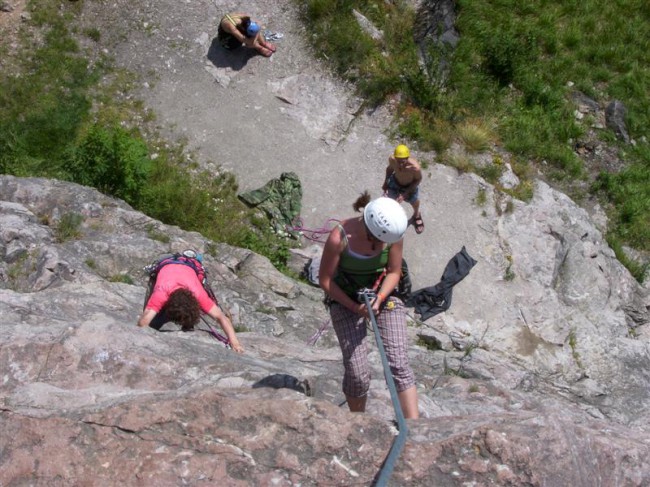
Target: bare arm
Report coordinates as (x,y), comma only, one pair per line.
(393,275)
(328,265)
(219,316)
(146,317)
(231,29)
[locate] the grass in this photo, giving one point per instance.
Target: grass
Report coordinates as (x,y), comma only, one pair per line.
(17,269)
(123,278)
(154,234)
(513,69)
(69,227)
(573,344)
(639,271)
(481,197)
(428,342)
(509,274)
(629,192)
(475,136)
(63,116)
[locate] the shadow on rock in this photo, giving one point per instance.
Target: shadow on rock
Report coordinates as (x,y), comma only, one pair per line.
(223,58)
(285,381)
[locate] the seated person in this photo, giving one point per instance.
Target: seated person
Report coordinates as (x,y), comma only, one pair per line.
(237,29)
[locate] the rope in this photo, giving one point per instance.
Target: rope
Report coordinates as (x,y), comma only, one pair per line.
(218,336)
(316,234)
(314,338)
(398,443)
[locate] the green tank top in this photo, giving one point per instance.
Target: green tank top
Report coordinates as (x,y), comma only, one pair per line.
(354,272)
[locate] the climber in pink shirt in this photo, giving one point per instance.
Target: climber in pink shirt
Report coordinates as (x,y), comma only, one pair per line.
(179,296)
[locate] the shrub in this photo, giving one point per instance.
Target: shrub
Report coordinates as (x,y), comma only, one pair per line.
(630,190)
(111,160)
(475,136)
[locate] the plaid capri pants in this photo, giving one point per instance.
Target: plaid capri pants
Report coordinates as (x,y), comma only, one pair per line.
(351,331)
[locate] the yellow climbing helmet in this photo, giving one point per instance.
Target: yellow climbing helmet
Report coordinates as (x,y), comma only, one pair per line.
(402,152)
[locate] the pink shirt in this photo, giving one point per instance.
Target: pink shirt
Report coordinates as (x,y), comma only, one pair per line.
(177,276)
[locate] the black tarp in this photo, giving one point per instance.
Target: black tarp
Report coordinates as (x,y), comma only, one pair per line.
(430,301)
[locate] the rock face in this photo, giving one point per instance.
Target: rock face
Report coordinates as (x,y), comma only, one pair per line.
(615,118)
(435,31)
(546,388)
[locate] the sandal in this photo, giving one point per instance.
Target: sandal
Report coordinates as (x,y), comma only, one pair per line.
(418,224)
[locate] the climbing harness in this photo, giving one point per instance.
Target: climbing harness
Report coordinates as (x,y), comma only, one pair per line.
(398,443)
(323,328)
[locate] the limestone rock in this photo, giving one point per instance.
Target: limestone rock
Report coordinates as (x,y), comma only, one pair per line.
(82,381)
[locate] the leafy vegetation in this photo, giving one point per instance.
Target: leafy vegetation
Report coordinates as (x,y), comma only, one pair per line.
(62,116)
(629,191)
(513,70)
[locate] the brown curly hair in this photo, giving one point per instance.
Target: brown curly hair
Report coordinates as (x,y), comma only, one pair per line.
(183,308)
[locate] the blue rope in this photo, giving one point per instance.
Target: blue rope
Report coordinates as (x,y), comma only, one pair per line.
(398,443)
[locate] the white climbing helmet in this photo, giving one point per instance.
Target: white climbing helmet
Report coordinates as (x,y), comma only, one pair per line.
(385,219)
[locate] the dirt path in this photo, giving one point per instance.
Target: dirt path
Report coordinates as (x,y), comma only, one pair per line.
(259,117)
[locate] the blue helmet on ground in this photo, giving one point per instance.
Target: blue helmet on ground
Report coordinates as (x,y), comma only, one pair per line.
(253,29)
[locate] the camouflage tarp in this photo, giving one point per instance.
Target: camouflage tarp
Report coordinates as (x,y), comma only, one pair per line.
(280,199)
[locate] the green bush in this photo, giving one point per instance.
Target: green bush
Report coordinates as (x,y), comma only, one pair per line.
(111,160)
(630,191)
(505,51)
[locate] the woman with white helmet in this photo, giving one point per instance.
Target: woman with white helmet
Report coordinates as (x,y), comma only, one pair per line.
(356,254)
